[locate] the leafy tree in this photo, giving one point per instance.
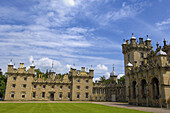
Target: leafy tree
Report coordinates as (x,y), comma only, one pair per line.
(45,75)
(122,80)
(3,80)
(102,78)
(107,81)
(38,72)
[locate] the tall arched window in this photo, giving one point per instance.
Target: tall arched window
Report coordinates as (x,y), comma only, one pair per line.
(155,88)
(143,83)
(134,89)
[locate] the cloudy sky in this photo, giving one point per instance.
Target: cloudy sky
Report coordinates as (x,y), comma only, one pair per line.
(80,32)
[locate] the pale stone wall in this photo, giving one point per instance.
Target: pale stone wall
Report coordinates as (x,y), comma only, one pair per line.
(155,68)
(65,86)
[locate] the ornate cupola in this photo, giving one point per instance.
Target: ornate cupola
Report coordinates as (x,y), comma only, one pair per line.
(113,76)
(10,63)
(52,69)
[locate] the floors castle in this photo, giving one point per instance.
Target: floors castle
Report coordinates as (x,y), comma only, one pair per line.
(147,79)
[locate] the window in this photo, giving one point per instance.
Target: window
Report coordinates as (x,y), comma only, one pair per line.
(78,87)
(129,57)
(134,89)
(87,81)
(25,79)
(78,81)
(43,94)
(87,95)
(78,95)
(43,86)
(87,87)
(94,91)
(14,78)
(61,87)
(35,86)
(68,87)
(24,85)
(52,86)
(34,93)
(60,95)
(68,95)
(23,95)
(12,95)
(141,55)
(13,85)
(142,63)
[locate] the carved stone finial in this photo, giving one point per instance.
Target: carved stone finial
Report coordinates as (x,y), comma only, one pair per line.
(157,45)
(52,64)
(164,42)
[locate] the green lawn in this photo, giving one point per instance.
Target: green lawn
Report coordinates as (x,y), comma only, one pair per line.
(60,108)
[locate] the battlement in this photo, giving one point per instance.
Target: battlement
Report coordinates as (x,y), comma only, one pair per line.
(81,73)
(153,59)
(21,69)
(134,44)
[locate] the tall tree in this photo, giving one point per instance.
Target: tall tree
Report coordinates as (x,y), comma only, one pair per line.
(3,80)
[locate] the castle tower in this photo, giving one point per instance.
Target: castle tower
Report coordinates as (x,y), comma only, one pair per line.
(82,83)
(134,52)
(134,55)
(19,82)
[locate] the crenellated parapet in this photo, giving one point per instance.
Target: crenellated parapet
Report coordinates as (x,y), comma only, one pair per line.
(21,70)
(134,44)
(81,73)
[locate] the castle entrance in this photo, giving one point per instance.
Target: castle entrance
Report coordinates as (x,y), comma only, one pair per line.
(52,96)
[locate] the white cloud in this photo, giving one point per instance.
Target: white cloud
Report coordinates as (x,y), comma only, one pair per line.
(46,62)
(163,24)
(120,75)
(31,59)
(101,67)
(96,79)
(107,74)
(68,66)
(69,2)
(166,22)
(126,11)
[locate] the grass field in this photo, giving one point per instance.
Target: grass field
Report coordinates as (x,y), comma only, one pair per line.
(61,108)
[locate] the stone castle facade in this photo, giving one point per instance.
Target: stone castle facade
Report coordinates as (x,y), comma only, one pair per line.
(75,85)
(147,73)
(25,85)
(147,79)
